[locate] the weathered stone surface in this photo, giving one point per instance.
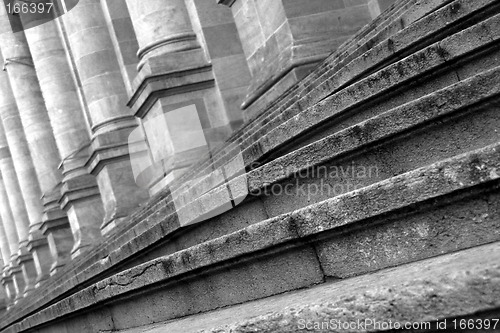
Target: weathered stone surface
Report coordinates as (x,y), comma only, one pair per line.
(437,112)
(426,291)
(123,37)
(337,68)
(419,186)
(274,33)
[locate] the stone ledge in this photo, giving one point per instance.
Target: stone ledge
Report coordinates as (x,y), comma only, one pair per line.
(430,183)
(452,284)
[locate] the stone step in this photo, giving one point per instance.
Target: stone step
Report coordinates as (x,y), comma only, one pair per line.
(345,67)
(426,291)
(445,207)
(424,125)
(388,23)
(421,68)
(377,27)
(451,78)
(450,19)
(386,145)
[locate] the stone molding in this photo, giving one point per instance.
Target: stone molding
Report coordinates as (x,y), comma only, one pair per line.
(78,188)
(181,42)
(173,73)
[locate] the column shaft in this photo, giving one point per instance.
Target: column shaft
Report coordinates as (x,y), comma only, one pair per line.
(123,37)
(285,40)
(161,27)
(4,242)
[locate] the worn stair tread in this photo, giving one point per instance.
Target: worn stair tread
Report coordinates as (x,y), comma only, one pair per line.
(477,169)
(482,86)
(455,284)
(440,19)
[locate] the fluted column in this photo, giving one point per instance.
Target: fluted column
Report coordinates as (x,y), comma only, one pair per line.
(111,120)
(26,95)
(72,138)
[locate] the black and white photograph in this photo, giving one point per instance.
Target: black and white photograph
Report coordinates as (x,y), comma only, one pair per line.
(249,166)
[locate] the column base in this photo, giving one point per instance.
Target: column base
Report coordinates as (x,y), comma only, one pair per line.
(57,229)
(8,284)
(75,252)
(111,225)
(29,273)
(82,203)
(42,259)
(18,281)
(110,163)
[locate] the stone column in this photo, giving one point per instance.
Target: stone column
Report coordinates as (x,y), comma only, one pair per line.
(175,75)
(111,120)
(5,252)
(18,280)
(72,138)
(161,26)
(217,31)
(283,40)
(123,37)
(4,242)
(26,95)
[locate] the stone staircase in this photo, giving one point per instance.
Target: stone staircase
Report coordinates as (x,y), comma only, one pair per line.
(373,194)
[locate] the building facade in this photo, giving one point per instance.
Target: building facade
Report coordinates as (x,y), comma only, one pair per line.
(147,147)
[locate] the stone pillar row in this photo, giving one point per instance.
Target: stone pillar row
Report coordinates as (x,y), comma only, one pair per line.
(67,174)
(13,167)
(78,194)
(35,154)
